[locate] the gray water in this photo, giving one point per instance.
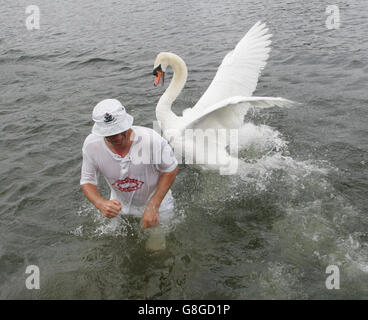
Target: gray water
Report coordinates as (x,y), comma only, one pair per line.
(298,204)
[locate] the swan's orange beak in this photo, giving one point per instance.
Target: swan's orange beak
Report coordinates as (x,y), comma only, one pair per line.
(159,74)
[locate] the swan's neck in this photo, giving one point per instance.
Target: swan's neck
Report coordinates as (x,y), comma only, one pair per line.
(163,109)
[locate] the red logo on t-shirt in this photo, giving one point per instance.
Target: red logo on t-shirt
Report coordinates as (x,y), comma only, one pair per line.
(128,184)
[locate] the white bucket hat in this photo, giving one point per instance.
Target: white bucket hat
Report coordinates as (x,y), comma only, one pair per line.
(110,118)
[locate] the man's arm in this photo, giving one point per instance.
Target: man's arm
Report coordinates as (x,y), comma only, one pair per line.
(150,215)
(109,208)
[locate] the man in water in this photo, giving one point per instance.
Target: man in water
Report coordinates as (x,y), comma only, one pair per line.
(137,163)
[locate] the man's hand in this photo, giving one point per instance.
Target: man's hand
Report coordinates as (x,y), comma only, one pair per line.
(109,208)
(150,215)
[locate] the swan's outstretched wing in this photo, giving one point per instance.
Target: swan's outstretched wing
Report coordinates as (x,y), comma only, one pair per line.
(210,116)
(239,70)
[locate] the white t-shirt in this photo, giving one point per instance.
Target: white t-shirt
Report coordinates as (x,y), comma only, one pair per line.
(134,178)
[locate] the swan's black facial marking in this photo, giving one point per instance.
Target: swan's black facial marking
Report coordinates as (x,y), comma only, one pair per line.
(155,70)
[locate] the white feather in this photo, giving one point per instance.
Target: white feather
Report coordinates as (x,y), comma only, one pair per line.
(239,71)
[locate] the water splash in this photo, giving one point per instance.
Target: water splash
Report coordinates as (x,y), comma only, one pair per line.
(98,226)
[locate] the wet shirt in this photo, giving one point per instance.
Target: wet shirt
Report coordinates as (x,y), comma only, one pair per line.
(134,178)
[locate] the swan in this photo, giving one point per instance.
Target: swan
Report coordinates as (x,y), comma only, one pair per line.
(222,106)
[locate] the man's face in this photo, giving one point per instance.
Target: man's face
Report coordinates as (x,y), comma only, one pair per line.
(119,139)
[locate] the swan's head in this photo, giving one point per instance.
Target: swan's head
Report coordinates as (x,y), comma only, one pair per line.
(160,66)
